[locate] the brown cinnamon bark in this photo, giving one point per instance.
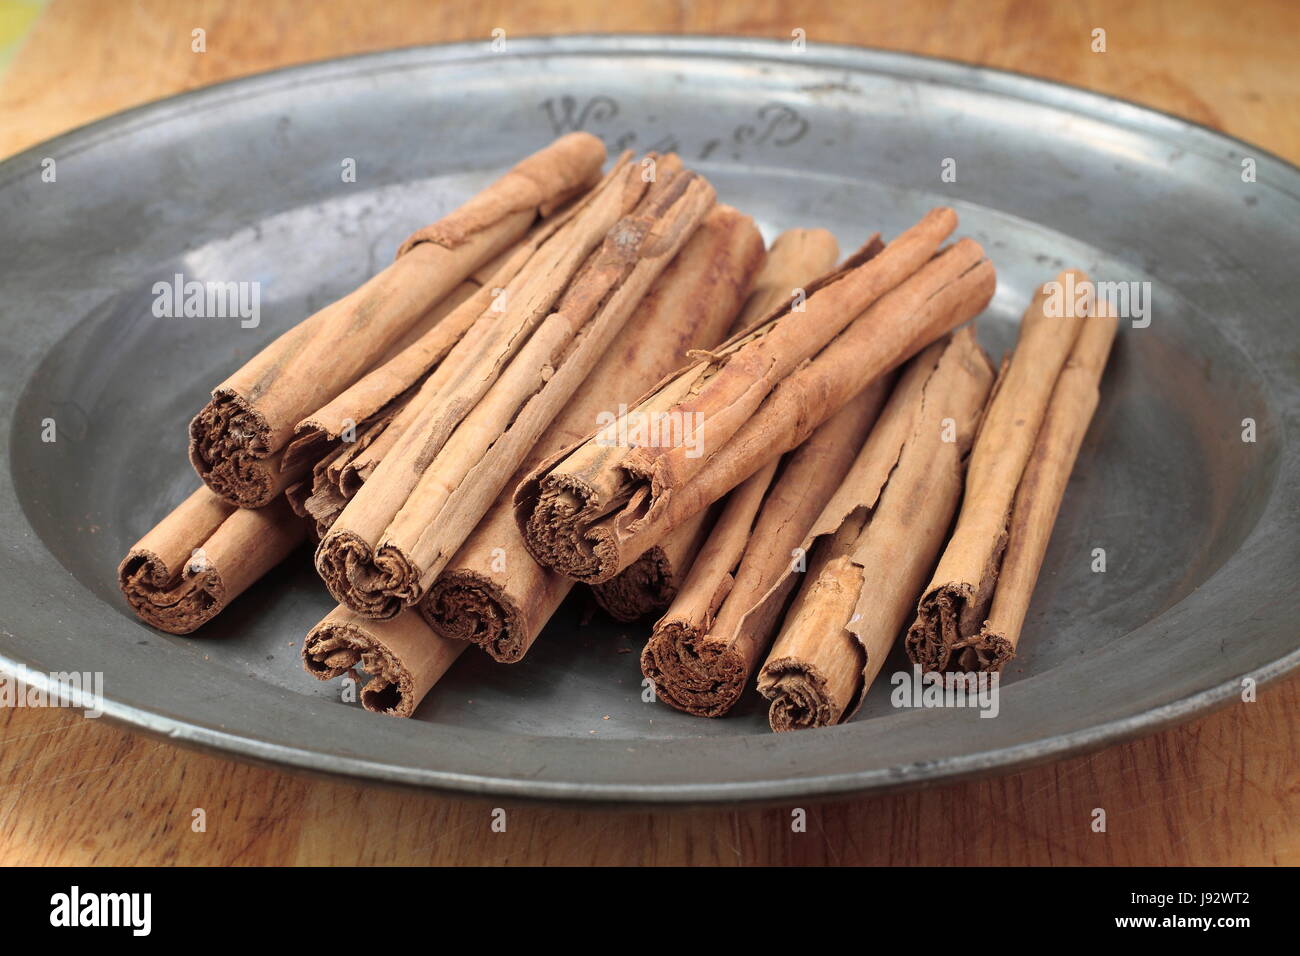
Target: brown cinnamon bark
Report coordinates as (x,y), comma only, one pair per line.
(650,583)
(383,403)
(427,418)
(550,254)
(492,592)
(421,372)
(704,649)
(876,542)
(201,557)
(324,495)
(797,259)
(714,397)
(590,511)
(403,657)
(948,632)
(237,439)
(320,432)
(350,433)
(426,496)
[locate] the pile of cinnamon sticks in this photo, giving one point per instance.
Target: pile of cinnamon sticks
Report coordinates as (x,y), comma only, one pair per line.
(606,379)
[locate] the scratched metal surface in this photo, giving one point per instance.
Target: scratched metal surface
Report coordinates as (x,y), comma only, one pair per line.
(242,182)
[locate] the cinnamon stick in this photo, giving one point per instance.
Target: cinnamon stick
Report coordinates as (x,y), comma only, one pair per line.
(236,440)
(389,398)
(201,557)
(703,650)
(492,592)
(797,258)
(1053,373)
(403,657)
(649,584)
(713,397)
(317,434)
(876,542)
(590,512)
(427,418)
(426,496)
(351,432)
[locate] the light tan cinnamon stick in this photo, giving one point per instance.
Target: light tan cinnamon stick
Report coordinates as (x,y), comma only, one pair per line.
(477,320)
(201,557)
(493,592)
(704,649)
(526,282)
(346,437)
(948,631)
(236,440)
(588,515)
(402,656)
(712,399)
(425,498)
(368,397)
(384,402)
(323,496)
(423,424)
(876,542)
(797,258)
(650,583)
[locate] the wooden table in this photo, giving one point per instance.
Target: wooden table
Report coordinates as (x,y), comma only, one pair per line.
(1221,790)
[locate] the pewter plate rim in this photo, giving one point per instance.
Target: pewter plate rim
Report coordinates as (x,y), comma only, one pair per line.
(568,783)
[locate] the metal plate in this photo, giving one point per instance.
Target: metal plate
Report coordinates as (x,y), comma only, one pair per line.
(241,182)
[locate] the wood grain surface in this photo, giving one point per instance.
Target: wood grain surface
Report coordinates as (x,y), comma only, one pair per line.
(1221,790)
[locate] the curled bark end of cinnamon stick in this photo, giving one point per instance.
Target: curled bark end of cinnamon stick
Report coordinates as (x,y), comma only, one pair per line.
(562,533)
(647,585)
(799,695)
(938,626)
(202,556)
(230,450)
(376,584)
(402,657)
(178,603)
(985,652)
(467,606)
(944,635)
(334,648)
(694,675)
